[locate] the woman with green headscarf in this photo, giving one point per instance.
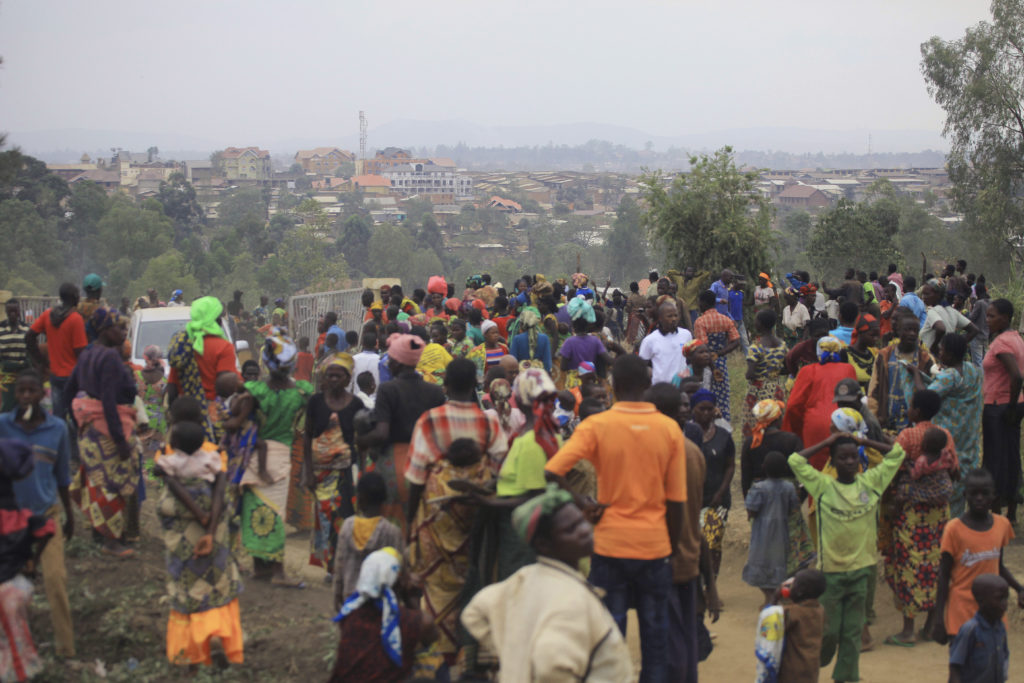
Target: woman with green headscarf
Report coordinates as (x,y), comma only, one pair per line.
(545,622)
(531,344)
(198,354)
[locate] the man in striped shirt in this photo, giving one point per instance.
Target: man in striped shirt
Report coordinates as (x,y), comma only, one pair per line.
(459,418)
(13,353)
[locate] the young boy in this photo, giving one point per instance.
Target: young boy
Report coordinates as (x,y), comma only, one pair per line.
(980,652)
(204,578)
(304,361)
(972,545)
(545,622)
(847,538)
(39,491)
(363,534)
(805,623)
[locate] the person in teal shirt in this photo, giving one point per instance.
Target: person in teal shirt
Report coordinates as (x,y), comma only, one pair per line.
(847,518)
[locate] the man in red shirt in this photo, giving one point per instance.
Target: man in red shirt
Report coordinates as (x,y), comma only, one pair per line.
(64,329)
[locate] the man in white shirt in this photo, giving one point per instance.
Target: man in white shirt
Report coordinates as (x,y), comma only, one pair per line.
(663,348)
(367,360)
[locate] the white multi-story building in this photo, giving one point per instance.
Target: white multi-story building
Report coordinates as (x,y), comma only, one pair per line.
(440,184)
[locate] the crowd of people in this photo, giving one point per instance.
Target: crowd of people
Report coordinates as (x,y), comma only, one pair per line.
(493,478)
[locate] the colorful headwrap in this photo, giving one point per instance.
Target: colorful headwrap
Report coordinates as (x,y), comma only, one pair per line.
(405,349)
(377,306)
(527,516)
(766,413)
(154,357)
(542,289)
(488,325)
(433,362)
(452,304)
(377,577)
(437,285)
(580,280)
(343,360)
(693,345)
(529,318)
(104,318)
(828,350)
(849,420)
(702,395)
(767,279)
(581,308)
(204,312)
(533,387)
(279,351)
(864,323)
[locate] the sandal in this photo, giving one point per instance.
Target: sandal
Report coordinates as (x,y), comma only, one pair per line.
(893,640)
(121,554)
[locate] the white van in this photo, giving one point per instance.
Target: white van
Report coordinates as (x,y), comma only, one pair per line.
(156,326)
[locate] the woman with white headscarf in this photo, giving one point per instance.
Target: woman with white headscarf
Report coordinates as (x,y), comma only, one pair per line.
(379,634)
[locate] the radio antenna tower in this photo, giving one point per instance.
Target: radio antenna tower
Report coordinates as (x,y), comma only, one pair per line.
(362,135)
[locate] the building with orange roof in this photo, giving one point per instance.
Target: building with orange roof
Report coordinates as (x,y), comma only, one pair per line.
(370,184)
(505,205)
(323,160)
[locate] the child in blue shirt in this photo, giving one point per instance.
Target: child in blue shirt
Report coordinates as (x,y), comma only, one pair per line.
(39,492)
(979,651)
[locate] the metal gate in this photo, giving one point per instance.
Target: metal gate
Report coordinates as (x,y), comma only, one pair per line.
(305,311)
(33,306)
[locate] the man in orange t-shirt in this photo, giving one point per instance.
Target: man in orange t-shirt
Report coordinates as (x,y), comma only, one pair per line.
(640,459)
(64,328)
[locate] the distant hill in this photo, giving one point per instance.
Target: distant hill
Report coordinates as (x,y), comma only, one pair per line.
(564,146)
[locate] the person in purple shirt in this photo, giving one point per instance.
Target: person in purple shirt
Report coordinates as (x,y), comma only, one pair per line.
(581,346)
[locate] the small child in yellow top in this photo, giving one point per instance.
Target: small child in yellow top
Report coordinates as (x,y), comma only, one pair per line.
(363,534)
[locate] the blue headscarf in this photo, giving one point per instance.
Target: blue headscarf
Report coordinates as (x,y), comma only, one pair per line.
(581,308)
(377,577)
(702,395)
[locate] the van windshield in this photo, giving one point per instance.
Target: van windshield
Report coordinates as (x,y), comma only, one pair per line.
(158,332)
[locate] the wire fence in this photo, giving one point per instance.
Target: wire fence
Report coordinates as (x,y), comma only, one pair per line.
(305,311)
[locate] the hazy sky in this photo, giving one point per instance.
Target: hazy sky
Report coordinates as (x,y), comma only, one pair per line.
(254,70)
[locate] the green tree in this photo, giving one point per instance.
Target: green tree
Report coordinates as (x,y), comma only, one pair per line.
(355,241)
(166,272)
(28,179)
(626,247)
(346,169)
(794,234)
(86,207)
(245,201)
(306,264)
(853,235)
(416,209)
(391,251)
(979,81)
(33,251)
(712,217)
(137,233)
